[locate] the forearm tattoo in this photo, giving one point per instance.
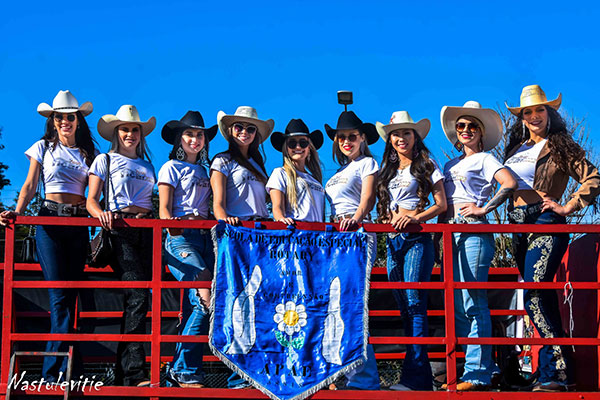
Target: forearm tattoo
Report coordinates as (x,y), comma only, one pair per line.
(498,199)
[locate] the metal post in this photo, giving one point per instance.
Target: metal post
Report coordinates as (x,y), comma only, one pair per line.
(156,305)
(449,307)
(7,316)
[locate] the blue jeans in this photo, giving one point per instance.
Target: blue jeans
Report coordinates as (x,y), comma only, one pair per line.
(190,257)
(410,259)
(61,251)
(472,257)
(538,257)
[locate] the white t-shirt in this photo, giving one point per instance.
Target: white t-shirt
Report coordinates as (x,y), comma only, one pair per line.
(522,164)
(403,188)
(131,180)
(245,196)
(64,169)
(191,187)
(311,196)
(344,188)
(469,180)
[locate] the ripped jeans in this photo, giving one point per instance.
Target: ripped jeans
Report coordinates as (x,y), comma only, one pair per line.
(190,257)
(410,259)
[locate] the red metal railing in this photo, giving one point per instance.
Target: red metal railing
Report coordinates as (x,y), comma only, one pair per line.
(155,338)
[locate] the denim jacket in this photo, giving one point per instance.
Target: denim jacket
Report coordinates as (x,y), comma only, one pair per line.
(553,181)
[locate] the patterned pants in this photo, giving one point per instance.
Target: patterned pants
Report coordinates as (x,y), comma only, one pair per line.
(538,256)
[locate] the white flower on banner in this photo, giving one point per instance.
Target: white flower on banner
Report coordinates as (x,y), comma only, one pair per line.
(290,317)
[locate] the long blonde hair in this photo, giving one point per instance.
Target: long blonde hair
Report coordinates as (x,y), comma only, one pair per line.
(313,165)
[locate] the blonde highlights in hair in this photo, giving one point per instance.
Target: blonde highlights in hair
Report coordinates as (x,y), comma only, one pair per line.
(313,165)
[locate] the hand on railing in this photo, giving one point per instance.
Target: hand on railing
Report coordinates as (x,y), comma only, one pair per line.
(7,217)
(400,222)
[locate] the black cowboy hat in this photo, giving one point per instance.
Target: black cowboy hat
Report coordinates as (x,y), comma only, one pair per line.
(191,119)
(296,127)
(349,120)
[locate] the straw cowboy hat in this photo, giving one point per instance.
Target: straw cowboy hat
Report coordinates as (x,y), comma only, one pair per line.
(349,121)
(126,114)
(191,119)
(402,120)
(533,95)
(296,127)
(248,115)
(492,124)
(65,102)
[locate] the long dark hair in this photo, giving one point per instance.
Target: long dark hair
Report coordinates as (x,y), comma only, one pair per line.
(253,152)
(563,149)
(201,157)
(421,168)
(83,137)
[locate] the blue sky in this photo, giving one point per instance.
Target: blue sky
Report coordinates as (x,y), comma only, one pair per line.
(288,59)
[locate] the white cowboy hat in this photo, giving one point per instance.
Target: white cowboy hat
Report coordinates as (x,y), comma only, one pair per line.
(403,120)
(248,115)
(126,114)
(65,102)
(533,95)
(492,124)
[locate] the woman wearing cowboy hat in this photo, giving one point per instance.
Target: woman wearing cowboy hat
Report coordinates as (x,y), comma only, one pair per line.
(406,180)
(131,180)
(238,175)
(468,180)
(184,191)
(297,194)
(60,162)
(351,193)
(543,155)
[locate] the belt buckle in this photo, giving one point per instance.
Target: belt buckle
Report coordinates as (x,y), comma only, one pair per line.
(518,215)
(65,210)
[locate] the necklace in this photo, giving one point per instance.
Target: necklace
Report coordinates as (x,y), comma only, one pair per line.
(404,166)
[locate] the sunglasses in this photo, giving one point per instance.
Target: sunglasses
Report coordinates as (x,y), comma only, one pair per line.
(471,127)
(351,138)
(250,129)
(292,143)
(69,117)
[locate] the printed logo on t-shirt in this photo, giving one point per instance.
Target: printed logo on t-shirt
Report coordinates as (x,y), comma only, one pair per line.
(337,180)
(200,182)
(135,174)
(454,177)
(521,158)
(398,183)
(69,164)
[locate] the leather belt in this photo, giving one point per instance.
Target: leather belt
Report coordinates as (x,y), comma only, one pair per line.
(65,210)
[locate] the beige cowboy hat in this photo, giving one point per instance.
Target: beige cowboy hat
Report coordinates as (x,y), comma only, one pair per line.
(533,95)
(492,124)
(248,115)
(403,120)
(65,102)
(126,114)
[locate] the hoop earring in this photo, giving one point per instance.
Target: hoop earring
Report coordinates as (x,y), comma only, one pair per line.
(548,125)
(180,154)
(415,152)
(393,157)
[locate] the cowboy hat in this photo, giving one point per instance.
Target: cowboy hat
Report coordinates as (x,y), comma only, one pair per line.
(126,114)
(65,102)
(191,119)
(403,120)
(349,121)
(533,95)
(296,127)
(492,124)
(248,115)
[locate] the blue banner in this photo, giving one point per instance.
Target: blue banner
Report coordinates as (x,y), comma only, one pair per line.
(289,307)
